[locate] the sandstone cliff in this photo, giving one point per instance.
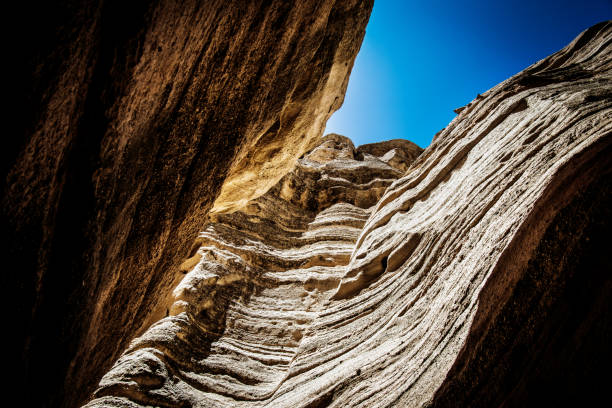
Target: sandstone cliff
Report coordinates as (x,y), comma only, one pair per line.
(132,119)
(480,277)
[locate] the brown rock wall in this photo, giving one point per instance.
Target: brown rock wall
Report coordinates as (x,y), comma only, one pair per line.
(135,114)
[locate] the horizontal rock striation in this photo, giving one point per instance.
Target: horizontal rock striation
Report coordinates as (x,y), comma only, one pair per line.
(261,277)
(132,120)
(479,278)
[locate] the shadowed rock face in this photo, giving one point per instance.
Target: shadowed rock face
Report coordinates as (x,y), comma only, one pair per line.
(480,277)
(133,119)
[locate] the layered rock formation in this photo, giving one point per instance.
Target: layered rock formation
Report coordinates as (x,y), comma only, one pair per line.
(132,119)
(479,278)
(260,279)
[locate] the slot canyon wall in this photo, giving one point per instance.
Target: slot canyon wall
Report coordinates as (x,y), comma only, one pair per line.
(472,274)
(130,120)
(178,234)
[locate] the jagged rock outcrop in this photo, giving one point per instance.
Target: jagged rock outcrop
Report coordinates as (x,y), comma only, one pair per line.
(480,277)
(132,119)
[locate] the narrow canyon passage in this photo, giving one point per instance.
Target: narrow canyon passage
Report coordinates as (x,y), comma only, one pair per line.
(379,276)
(180,233)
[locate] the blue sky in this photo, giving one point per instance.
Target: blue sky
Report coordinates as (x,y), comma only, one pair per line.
(421,59)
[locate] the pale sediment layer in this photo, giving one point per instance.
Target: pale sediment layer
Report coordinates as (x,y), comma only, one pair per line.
(260,278)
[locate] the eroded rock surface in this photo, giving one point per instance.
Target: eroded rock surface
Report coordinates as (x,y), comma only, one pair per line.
(479,278)
(132,118)
(261,277)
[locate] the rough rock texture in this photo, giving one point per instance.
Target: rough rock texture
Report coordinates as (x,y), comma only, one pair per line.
(257,282)
(481,277)
(132,118)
